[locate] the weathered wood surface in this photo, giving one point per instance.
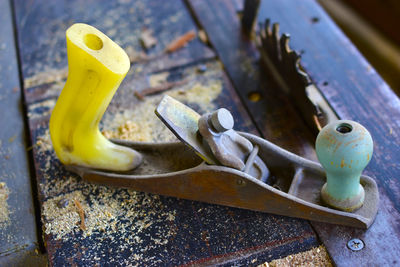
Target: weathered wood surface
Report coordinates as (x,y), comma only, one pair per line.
(124,226)
(18,232)
(350,85)
(356,92)
(273,113)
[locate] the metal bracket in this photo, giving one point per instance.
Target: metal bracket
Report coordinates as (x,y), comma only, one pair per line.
(249,18)
(229,147)
(212,137)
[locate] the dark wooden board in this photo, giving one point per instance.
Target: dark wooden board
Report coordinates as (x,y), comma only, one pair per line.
(350,85)
(356,92)
(274,114)
(18,234)
(190,232)
(134,227)
(122,21)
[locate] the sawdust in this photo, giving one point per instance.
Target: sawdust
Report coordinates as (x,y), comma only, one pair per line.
(47,76)
(130,131)
(199,94)
(141,124)
(114,211)
(158,78)
(124,217)
(43,142)
(62,221)
(4,211)
(315,257)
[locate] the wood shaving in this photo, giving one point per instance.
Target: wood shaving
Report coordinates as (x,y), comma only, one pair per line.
(315,257)
(158,89)
(81,214)
(180,41)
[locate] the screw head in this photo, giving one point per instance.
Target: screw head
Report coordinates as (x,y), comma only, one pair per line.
(222,120)
(355,244)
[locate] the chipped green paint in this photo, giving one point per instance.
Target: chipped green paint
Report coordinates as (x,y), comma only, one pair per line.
(344,149)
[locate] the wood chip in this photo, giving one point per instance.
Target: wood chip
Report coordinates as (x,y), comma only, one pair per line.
(81,214)
(147,39)
(158,89)
(180,41)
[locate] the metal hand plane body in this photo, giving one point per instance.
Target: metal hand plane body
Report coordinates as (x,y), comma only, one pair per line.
(234,169)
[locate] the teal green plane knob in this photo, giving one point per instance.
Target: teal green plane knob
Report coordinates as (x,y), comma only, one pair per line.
(344,149)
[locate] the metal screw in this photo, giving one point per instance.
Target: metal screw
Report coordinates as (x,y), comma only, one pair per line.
(355,244)
(222,120)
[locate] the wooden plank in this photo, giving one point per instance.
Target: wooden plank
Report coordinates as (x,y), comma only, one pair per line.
(349,84)
(355,91)
(44,59)
(153,228)
(18,232)
(123,226)
(273,113)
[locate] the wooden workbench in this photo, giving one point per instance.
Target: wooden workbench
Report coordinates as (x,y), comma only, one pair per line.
(127,227)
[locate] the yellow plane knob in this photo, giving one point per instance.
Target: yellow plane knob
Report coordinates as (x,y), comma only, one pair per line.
(96,68)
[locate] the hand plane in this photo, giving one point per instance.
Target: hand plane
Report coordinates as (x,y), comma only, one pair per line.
(215,164)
